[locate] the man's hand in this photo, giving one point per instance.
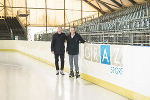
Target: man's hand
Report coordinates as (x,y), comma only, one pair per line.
(52,52)
(67,52)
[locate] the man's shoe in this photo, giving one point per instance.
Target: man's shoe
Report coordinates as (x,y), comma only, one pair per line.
(71,74)
(57,72)
(62,72)
(77,74)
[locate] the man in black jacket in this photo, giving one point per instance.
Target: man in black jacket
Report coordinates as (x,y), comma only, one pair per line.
(73,50)
(58,49)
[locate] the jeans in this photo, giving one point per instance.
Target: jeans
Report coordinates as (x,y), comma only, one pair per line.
(57,60)
(75,59)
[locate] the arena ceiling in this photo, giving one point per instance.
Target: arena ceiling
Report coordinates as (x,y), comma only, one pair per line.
(51,12)
(105,6)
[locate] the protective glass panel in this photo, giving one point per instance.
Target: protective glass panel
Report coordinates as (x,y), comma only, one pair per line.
(55,17)
(1,2)
(55,4)
(1,11)
(13,12)
(36,3)
(88,10)
(1,8)
(73,11)
(37,17)
(16,3)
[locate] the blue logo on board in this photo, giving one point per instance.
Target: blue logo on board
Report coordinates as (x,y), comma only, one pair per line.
(105,54)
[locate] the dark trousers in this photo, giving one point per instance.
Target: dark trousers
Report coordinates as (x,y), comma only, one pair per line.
(57,61)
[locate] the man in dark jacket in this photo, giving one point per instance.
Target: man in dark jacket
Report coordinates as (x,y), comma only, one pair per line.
(73,50)
(58,49)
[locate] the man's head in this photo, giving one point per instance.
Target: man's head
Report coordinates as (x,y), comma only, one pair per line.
(59,29)
(72,30)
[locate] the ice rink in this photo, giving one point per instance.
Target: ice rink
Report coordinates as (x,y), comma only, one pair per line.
(24,78)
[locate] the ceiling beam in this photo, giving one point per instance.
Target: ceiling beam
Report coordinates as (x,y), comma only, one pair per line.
(117,3)
(111,5)
(104,4)
(99,10)
(133,2)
